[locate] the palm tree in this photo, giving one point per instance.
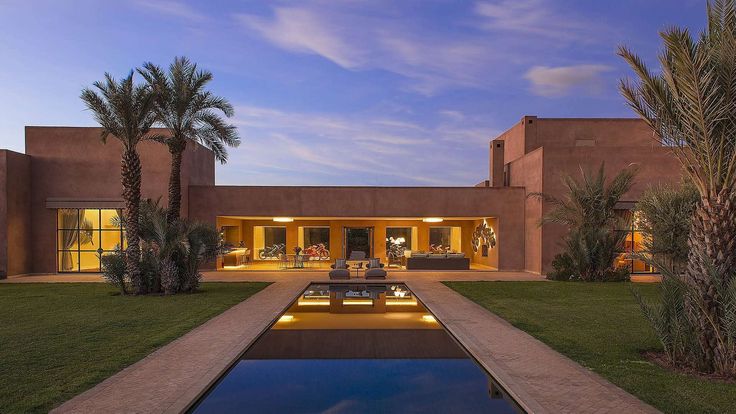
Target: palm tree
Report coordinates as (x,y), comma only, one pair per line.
(126,112)
(189,112)
(588,210)
(691,106)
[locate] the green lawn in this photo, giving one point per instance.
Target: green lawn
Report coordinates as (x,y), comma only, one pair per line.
(57,340)
(599,325)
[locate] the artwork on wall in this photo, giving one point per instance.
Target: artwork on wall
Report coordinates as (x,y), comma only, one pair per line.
(483,235)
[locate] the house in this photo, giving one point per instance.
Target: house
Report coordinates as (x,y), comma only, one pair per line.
(60,201)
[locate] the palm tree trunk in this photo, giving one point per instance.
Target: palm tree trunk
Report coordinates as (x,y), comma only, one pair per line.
(131,177)
(176,148)
(712,245)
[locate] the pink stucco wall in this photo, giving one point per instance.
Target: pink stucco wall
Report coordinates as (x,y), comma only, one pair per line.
(556,147)
(72,163)
(15,196)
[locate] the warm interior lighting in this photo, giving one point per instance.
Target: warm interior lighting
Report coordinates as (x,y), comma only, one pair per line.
(283,219)
(428,318)
(432,220)
(357,302)
(286,318)
(404,302)
(311,302)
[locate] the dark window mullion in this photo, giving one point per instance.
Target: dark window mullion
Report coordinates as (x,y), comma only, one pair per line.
(99,239)
(79,240)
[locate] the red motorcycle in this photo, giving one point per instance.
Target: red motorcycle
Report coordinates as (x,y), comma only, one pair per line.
(317,250)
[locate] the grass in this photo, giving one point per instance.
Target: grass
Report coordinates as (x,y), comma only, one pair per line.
(58,340)
(600,326)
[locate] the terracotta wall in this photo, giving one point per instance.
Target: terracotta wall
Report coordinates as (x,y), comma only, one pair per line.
(605,132)
(656,166)
(343,204)
(3,214)
(15,219)
(539,150)
(514,141)
(527,172)
(73,164)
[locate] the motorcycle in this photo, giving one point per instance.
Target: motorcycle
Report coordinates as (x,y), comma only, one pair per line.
(272,252)
(396,248)
(439,249)
(318,250)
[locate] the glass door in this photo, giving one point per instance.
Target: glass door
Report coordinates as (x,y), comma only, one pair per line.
(358,239)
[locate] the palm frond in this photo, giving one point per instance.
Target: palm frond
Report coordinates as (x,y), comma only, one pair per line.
(188,110)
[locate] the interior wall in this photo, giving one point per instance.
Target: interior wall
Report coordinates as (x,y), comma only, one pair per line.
(477,257)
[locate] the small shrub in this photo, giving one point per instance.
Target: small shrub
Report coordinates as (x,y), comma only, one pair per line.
(588,209)
(171,252)
(113,270)
(150,270)
(619,274)
(169,277)
(566,270)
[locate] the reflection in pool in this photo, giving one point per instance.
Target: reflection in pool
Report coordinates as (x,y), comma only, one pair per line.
(356,348)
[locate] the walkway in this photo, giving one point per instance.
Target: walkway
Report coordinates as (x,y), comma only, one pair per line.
(543,380)
(169,379)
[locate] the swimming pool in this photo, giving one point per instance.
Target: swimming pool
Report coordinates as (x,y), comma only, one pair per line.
(350,347)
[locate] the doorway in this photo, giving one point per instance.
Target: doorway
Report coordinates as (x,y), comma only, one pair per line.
(357,239)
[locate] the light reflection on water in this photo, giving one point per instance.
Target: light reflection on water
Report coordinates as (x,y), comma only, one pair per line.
(333,353)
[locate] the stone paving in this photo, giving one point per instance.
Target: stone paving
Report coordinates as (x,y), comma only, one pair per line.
(537,376)
(171,378)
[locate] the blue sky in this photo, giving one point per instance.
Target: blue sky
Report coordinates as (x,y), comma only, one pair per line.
(354,92)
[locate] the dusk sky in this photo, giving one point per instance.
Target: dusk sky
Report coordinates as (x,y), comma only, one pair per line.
(341,92)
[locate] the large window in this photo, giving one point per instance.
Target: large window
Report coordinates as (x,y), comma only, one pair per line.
(84,235)
(439,239)
(398,239)
(316,242)
(633,246)
(269,242)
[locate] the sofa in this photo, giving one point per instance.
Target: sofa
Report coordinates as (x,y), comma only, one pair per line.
(437,261)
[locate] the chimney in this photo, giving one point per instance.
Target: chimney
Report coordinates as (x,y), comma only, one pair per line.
(496,163)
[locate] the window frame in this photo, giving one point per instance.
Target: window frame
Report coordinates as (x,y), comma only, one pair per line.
(97,231)
(626,253)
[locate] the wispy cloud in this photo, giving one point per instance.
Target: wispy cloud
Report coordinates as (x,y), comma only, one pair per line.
(171,8)
(536,18)
(560,81)
(302,30)
(474,50)
(378,148)
(358,41)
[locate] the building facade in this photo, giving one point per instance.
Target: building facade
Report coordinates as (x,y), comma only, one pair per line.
(60,202)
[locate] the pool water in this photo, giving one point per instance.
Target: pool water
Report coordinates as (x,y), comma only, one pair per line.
(349,348)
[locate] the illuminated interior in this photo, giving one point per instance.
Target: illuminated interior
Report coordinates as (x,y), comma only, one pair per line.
(260,243)
(633,246)
(84,235)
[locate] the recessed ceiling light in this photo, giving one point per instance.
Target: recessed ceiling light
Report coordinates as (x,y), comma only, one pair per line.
(283,219)
(286,318)
(432,220)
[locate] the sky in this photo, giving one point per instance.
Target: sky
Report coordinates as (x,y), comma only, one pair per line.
(353,92)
